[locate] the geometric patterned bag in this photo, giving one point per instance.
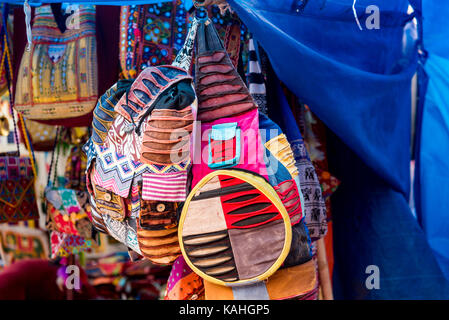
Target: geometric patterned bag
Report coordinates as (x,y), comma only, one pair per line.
(68,211)
(73,214)
(57,78)
(17,195)
(17,174)
(128,174)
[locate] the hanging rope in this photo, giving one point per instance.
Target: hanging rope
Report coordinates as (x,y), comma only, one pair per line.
(9,77)
(28,144)
(355,15)
(58,129)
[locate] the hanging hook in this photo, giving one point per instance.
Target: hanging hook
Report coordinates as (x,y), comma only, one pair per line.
(27,10)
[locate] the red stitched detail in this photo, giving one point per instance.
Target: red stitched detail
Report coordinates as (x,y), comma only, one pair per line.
(290,197)
(257,204)
(223,150)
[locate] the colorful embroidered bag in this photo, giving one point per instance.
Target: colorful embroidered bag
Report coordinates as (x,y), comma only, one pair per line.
(17,195)
(139,157)
(183,283)
(42,136)
(153,34)
(69,213)
(17,174)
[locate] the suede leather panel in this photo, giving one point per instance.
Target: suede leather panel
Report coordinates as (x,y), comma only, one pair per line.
(254,251)
(222,93)
(159,246)
(212,254)
(299,250)
(196,222)
(294,282)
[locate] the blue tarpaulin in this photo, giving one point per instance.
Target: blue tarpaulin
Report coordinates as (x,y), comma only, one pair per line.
(359,83)
(357,80)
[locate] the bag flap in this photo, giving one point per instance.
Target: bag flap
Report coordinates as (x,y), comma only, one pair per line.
(164,186)
(224,131)
(52,195)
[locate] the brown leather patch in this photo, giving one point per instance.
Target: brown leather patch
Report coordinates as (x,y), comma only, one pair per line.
(288,283)
(109,203)
(254,251)
(212,254)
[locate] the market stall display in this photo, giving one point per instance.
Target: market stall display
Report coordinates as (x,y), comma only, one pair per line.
(210,150)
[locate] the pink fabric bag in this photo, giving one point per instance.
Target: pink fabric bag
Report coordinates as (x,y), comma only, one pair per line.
(251,147)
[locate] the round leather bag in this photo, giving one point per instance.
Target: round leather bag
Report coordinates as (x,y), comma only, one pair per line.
(234,229)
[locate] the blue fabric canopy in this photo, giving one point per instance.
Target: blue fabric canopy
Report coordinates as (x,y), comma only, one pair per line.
(358,82)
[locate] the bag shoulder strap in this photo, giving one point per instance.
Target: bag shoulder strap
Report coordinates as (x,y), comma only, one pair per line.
(6,60)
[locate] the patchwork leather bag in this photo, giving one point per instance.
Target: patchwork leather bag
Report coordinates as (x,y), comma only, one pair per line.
(57,78)
(237,199)
(139,157)
(297,277)
(224,224)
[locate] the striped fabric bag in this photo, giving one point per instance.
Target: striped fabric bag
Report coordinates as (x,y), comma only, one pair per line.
(169,186)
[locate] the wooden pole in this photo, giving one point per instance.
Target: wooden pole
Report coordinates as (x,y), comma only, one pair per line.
(323,271)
